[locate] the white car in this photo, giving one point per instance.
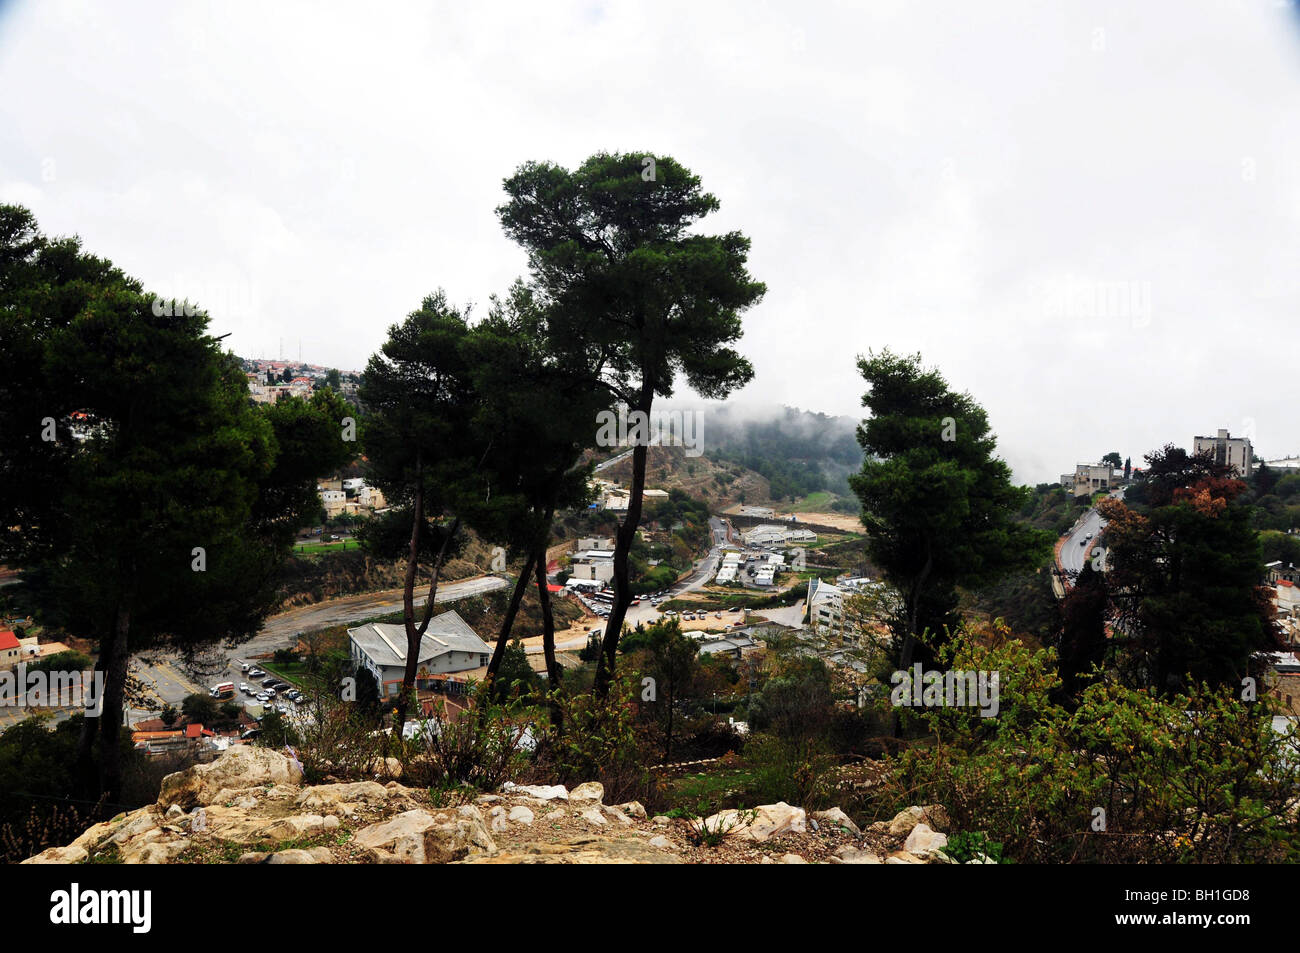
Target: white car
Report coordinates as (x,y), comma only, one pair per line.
(262,697)
(243,687)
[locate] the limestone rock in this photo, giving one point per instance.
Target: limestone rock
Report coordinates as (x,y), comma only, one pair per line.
(590,791)
(793,859)
(426,837)
(923,841)
(59,855)
(632,809)
(902,857)
(520,815)
(847,854)
(345,799)
(240,767)
(837,818)
(152,852)
(592,815)
(579,850)
(497,819)
(905,820)
(759,825)
(543,792)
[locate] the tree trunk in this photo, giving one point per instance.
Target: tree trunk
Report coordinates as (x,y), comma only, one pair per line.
(110,718)
(553,672)
(622,547)
(413,636)
(86,769)
(507,623)
(913,617)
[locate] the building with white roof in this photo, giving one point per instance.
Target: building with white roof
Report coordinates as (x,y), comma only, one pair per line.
(449,645)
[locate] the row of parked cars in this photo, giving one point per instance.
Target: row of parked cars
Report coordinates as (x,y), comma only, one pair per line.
(271,688)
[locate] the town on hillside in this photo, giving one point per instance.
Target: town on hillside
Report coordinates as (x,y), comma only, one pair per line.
(824,434)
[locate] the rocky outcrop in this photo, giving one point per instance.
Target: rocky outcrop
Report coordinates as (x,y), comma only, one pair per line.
(250,807)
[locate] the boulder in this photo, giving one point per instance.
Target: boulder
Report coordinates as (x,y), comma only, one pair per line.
(59,855)
(924,841)
(905,820)
(590,791)
(153,851)
(761,824)
(902,857)
(496,819)
(294,827)
(847,854)
(632,809)
(439,836)
(241,766)
(520,815)
(793,859)
(837,818)
(543,792)
(592,815)
(345,800)
(616,815)
(663,843)
(317,855)
(591,849)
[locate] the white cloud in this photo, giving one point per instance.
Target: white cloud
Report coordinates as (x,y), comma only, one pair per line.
(919,176)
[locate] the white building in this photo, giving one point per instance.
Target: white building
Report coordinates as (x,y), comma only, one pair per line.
(597,564)
(334,501)
(1235,452)
(1090,478)
(825,604)
(770,534)
(449,645)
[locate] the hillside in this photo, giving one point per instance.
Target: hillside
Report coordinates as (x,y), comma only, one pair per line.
(250,806)
(718,483)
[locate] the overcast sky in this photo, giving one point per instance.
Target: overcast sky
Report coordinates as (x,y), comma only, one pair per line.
(1087,214)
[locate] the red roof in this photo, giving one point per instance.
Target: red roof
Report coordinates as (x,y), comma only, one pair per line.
(8,640)
(1285,582)
(552,587)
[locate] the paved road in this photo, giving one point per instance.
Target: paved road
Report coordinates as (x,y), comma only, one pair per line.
(1077,546)
(613,460)
(704,570)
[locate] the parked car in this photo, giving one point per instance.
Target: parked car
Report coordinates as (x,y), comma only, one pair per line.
(269,682)
(243,667)
(282,686)
(255,673)
(243,687)
(262,696)
(270,693)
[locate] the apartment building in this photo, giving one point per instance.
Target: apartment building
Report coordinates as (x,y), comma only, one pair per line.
(1235,452)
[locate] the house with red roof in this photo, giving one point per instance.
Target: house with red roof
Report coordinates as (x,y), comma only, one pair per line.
(11,650)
